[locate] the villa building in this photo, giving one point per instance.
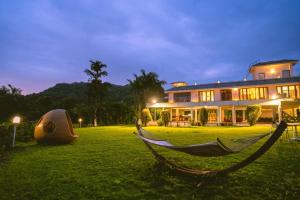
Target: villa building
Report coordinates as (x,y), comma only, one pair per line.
(273,86)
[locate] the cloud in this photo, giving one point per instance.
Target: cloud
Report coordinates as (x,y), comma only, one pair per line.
(194,41)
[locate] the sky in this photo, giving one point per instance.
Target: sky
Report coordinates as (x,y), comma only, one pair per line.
(44,42)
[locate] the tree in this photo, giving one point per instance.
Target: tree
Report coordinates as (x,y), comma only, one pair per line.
(11,102)
(144,87)
(203,116)
(165,117)
(146,116)
(252,114)
(97,89)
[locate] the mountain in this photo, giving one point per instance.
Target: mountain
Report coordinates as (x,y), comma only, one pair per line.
(78,92)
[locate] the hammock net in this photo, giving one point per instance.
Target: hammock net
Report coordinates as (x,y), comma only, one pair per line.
(209,149)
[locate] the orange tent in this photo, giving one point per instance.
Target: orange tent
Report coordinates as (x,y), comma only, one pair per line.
(55,127)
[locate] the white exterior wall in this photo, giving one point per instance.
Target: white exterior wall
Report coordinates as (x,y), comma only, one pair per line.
(217,95)
(272,92)
(235,94)
(171,97)
(194,96)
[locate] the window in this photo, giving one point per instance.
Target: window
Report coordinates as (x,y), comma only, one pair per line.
(206,96)
(227,115)
(290,91)
(182,97)
(261,76)
(239,115)
(286,73)
(253,93)
(212,115)
(226,95)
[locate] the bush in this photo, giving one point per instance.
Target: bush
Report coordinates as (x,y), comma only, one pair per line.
(252,114)
(5,137)
(146,116)
(165,117)
(265,119)
(160,122)
(25,132)
(203,116)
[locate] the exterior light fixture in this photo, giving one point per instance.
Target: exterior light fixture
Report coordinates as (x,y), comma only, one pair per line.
(154,101)
(218,82)
(274,96)
(272,71)
(16,120)
(235,89)
(245,79)
(80,121)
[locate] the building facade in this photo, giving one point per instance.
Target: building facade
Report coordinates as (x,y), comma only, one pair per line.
(273,86)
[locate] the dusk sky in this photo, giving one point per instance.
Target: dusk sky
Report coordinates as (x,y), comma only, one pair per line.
(47,42)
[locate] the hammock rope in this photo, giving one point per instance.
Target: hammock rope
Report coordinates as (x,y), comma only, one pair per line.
(210,172)
(209,149)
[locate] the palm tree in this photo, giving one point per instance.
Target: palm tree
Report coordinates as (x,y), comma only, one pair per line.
(144,87)
(96,87)
(14,90)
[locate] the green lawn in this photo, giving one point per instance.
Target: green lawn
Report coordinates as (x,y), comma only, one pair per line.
(111,163)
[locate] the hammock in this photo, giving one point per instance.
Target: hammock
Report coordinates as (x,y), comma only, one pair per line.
(217,149)
(210,149)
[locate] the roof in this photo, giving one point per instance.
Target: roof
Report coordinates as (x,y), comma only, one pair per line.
(238,84)
(273,62)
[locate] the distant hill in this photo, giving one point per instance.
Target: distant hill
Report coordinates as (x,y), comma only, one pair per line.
(78,91)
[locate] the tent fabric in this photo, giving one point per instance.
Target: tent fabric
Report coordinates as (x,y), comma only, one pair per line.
(55,127)
(209,149)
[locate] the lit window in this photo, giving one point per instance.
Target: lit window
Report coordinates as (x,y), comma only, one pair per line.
(206,96)
(288,91)
(212,115)
(253,93)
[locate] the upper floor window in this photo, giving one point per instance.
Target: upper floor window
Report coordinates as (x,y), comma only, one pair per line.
(261,76)
(206,96)
(287,91)
(182,97)
(253,93)
(286,73)
(226,95)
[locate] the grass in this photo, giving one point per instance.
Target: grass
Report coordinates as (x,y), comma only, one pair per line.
(111,163)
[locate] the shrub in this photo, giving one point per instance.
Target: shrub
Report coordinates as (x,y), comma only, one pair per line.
(203,116)
(146,116)
(25,131)
(252,114)
(5,137)
(165,117)
(160,122)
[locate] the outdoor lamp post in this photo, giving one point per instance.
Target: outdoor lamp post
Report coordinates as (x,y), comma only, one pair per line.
(16,120)
(80,121)
(154,102)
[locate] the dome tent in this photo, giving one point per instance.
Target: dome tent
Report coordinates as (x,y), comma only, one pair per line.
(55,127)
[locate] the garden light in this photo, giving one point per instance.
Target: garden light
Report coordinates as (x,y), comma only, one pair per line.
(80,121)
(16,120)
